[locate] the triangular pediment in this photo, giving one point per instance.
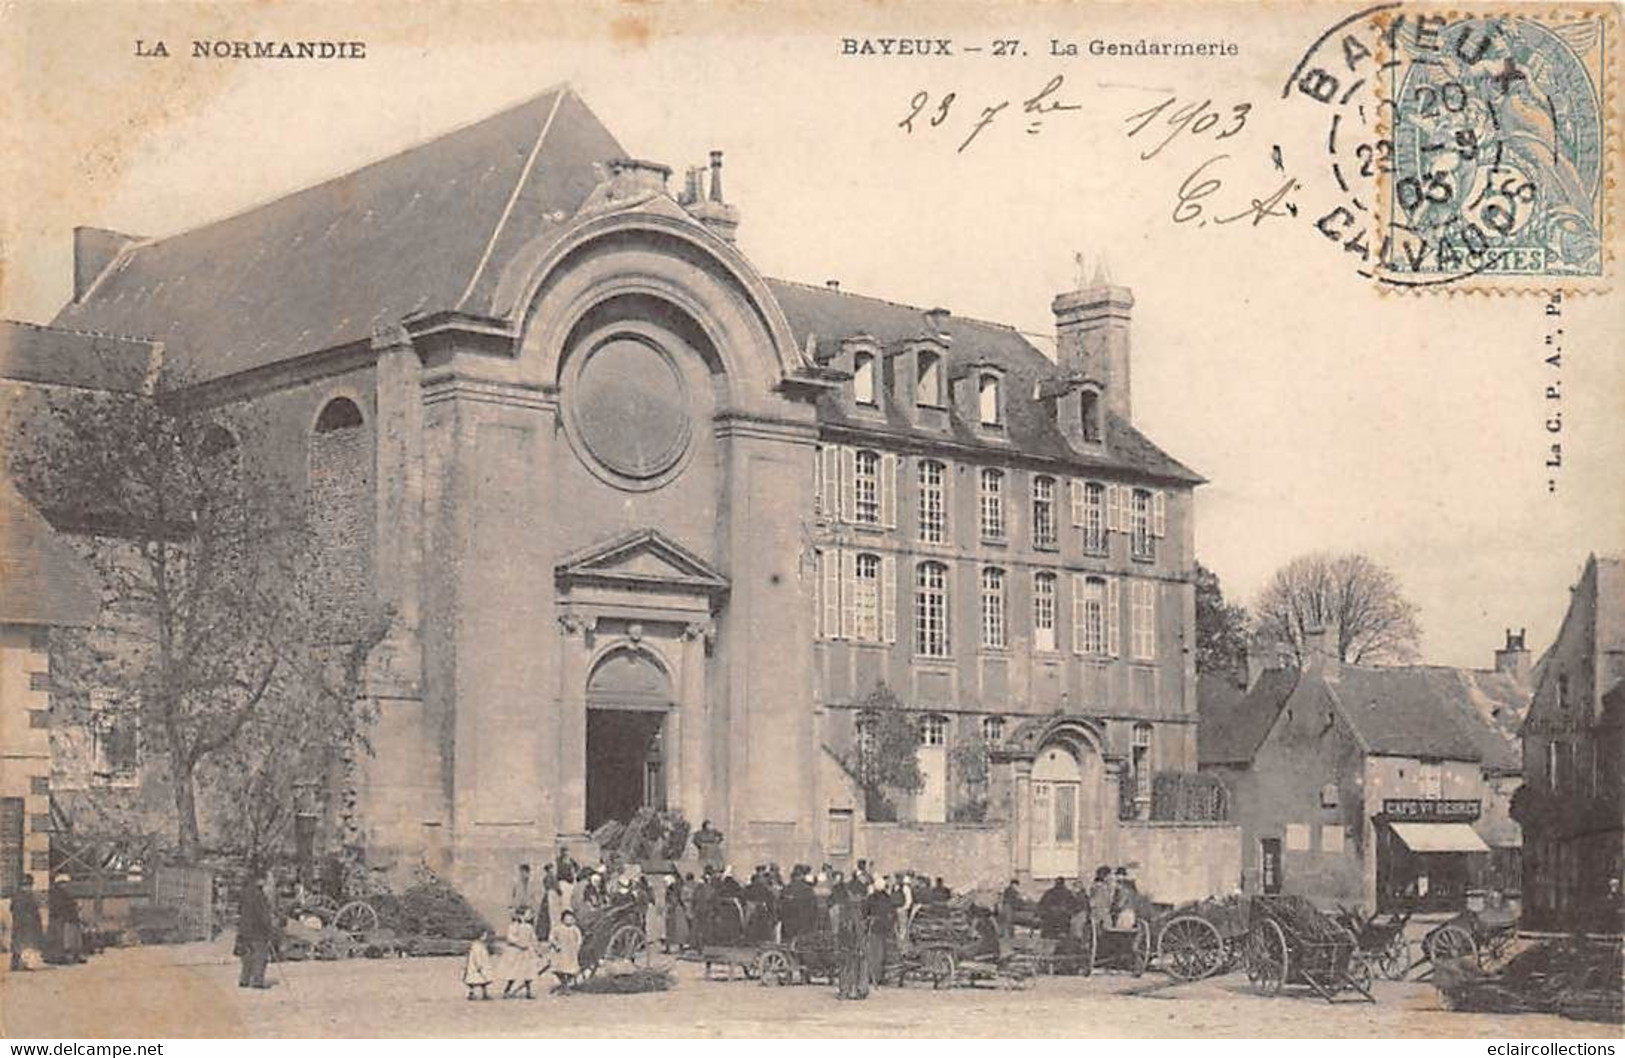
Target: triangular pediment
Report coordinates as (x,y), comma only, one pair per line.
(642,558)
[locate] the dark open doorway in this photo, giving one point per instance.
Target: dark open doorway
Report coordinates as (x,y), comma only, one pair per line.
(625,766)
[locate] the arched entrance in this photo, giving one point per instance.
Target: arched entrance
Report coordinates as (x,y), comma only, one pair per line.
(1063,830)
(628,699)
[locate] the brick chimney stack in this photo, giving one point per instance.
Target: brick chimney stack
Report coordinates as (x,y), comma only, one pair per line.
(1320,652)
(712,210)
(1092,337)
(1513,659)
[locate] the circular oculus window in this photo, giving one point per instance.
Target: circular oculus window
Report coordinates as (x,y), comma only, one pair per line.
(631,408)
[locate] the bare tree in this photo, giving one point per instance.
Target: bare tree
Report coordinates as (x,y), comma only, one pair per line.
(207,632)
(1351,597)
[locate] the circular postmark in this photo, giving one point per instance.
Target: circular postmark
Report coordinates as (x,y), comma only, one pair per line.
(1460,146)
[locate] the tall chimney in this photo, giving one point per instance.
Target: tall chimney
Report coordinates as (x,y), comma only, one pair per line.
(712,211)
(1513,659)
(93,250)
(1320,652)
(1092,338)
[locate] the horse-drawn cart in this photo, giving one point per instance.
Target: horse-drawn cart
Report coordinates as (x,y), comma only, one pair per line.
(957,944)
(1289,942)
(614,934)
(1201,939)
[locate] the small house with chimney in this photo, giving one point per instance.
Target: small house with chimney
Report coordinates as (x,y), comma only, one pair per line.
(657,530)
(1379,787)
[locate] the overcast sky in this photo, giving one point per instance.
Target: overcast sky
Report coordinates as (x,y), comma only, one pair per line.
(1327,415)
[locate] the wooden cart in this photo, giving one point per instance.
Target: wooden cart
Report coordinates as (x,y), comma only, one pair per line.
(1201,939)
(1479,937)
(1380,943)
(946,945)
(1291,943)
(614,934)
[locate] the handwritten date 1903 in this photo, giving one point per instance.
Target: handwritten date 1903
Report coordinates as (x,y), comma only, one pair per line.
(1195,118)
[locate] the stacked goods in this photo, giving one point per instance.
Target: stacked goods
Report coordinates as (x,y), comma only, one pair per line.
(1574,977)
(941,925)
(1299,917)
(648,835)
(430,908)
(627,982)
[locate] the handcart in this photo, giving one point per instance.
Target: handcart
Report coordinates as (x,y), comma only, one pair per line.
(1290,942)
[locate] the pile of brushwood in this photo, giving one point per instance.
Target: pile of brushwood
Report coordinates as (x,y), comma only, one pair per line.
(627,982)
(429,917)
(649,835)
(1577,977)
(1298,917)
(942,926)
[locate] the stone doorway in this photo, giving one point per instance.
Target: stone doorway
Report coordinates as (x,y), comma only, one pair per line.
(626,768)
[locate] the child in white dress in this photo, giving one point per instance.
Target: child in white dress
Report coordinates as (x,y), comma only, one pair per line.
(521,962)
(477,970)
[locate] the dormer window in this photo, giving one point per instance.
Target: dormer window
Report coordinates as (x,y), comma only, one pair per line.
(863,379)
(1090,405)
(928,384)
(987,400)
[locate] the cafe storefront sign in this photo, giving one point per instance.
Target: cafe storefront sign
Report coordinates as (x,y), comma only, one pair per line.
(1430,810)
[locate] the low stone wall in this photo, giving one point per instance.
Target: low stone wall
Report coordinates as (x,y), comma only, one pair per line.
(1176,862)
(965,855)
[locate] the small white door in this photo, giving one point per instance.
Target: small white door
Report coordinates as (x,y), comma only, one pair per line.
(1054,804)
(931,804)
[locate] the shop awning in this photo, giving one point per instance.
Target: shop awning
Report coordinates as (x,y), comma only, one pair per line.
(1440,837)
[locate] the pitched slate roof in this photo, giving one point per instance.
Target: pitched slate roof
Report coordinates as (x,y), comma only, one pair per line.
(43,581)
(1230,728)
(1418,711)
(48,356)
(828,316)
(423,230)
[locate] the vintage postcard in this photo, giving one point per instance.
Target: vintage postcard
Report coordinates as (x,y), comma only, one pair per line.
(541,519)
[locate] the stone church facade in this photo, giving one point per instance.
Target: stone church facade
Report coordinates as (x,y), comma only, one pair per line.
(653,528)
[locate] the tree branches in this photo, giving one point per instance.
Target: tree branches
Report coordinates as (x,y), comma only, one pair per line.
(1351,597)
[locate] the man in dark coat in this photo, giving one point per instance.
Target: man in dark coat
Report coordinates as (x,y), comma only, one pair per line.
(798,907)
(65,937)
(27,934)
(256,929)
(1055,909)
(882,915)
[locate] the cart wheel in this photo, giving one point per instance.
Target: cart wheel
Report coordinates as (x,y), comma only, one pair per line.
(1090,942)
(356,918)
(1266,956)
(629,944)
(939,966)
(1449,942)
(1395,960)
(774,968)
(1190,948)
(323,907)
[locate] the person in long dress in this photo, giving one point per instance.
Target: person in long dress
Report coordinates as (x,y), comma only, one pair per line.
(521,962)
(677,894)
(851,944)
(566,945)
(658,886)
(478,973)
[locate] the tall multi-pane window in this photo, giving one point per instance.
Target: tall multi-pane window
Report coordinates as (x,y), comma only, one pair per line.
(863,378)
(1092,630)
(1043,512)
(1143,628)
(1043,611)
(933,502)
(1141,762)
(866,597)
(866,487)
(987,399)
(992,504)
(1094,516)
(931,610)
(1145,544)
(992,729)
(993,611)
(933,730)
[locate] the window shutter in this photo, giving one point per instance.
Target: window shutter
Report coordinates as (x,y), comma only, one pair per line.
(1114,621)
(888,598)
(1112,523)
(1159,514)
(849,483)
(849,594)
(1149,588)
(818,480)
(1076,488)
(832,482)
(947,502)
(1077,612)
(830,574)
(888,491)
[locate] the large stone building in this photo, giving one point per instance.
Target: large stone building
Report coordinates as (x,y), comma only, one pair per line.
(1573,805)
(655,529)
